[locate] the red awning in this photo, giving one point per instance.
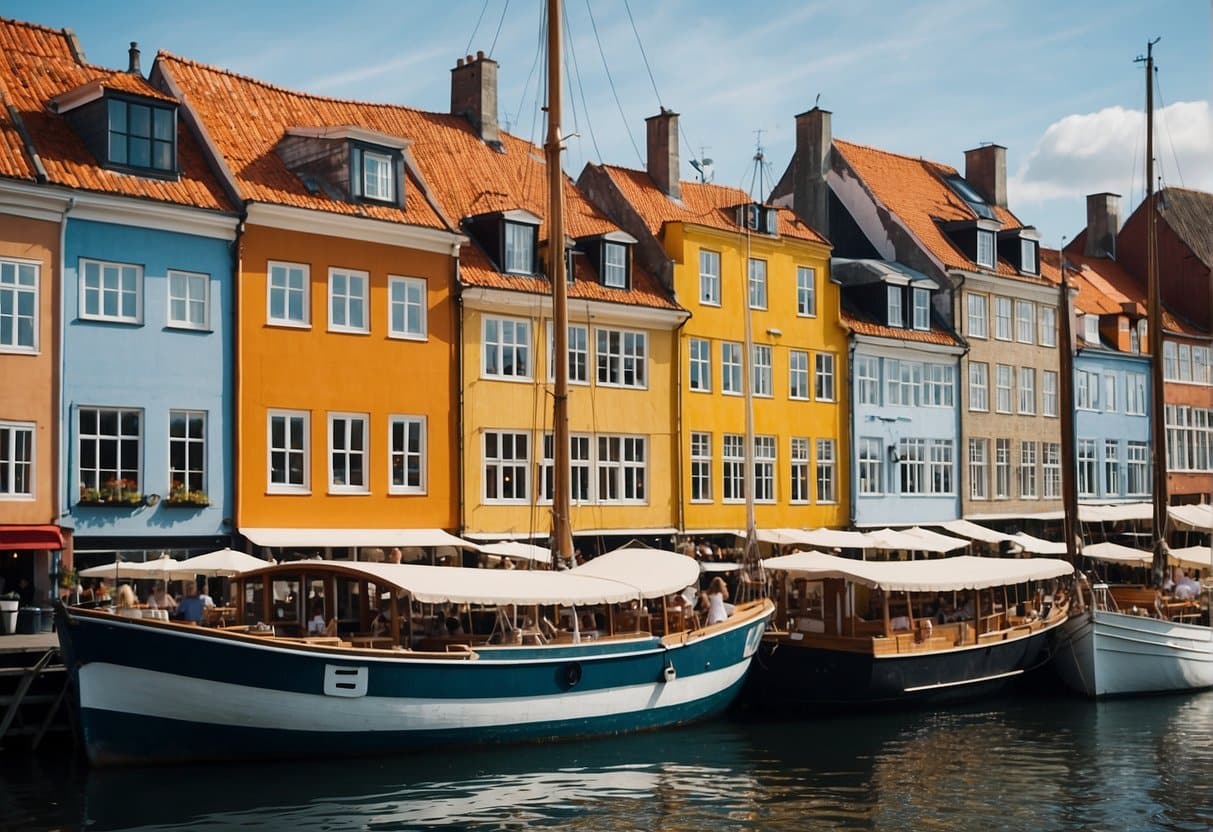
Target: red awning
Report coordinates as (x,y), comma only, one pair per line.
(28,538)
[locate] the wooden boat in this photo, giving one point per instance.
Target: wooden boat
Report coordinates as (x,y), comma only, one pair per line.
(855,633)
(522,664)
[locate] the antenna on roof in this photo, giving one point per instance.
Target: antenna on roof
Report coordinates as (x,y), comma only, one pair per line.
(703,165)
(760,168)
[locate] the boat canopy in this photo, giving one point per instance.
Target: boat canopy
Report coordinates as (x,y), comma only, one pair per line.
(965,528)
(615,580)
(940,575)
(1115,553)
(1193,557)
(308,538)
(517,550)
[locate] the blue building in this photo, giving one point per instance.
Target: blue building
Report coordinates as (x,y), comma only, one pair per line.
(905,430)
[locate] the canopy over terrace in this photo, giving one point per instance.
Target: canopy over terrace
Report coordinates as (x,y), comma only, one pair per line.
(1198,518)
(361,538)
(1037,546)
(161,567)
(519,551)
(833,538)
(940,575)
(915,539)
(971,530)
(1115,553)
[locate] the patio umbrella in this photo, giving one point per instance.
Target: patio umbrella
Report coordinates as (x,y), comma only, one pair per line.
(223,563)
(522,551)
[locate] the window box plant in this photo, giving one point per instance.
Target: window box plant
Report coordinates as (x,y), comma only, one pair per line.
(115,493)
(180,496)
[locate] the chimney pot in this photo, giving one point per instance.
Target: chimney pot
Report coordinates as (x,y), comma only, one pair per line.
(133,65)
(1103,222)
(662,155)
(474,95)
(810,190)
(986,171)
(459,62)
(479,54)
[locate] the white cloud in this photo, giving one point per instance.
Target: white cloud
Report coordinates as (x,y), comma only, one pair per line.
(1104,151)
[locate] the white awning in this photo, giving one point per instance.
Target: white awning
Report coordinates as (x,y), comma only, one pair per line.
(974,531)
(520,551)
(1115,512)
(652,573)
(223,563)
(321,538)
(161,567)
(1194,557)
(1115,553)
(1014,515)
(1036,546)
(892,540)
(780,537)
(936,542)
(833,538)
(940,575)
(1194,517)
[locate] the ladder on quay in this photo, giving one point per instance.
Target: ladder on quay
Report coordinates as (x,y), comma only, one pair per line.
(17,721)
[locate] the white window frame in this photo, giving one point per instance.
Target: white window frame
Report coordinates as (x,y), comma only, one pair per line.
(1003,402)
(384,175)
(1050,469)
(349,454)
(1109,392)
(100,291)
(871,466)
(765,461)
(979,463)
(1087,475)
(806,291)
(1027,391)
(1048,326)
(18,459)
(800,485)
(1025,321)
(495,467)
(351,303)
(912,466)
(979,386)
(413,299)
(623,353)
(287,291)
(1137,469)
(190,478)
(867,379)
(1002,318)
(1027,257)
(985,248)
(731,369)
(732,458)
(622,474)
(938,385)
(518,247)
(921,299)
(304,453)
(823,376)
(798,375)
(895,311)
(517,347)
(197,293)
(940,467)
(120,471)
(763,380)
(578,342)
(1048,393)
(614,274)
(757,283)
(13,275)
(699,352)
(701,467)
(1170,361)
(827,472)
(977,322)
(404,455)
(1028,480)
(1185,363)
(1135,394)
(709,277)
(1111,467)
(1090,327)
(1002,469)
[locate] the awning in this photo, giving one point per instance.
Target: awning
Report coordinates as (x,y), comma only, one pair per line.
(833,538)
(779,537)
(161,567)
(1115,512)
(652,572)
(321,538)
(223,563)
(1197,517)
(934,541)
(30,538)
(939,575)
(1036,546)
(974,531)
(514,549)
(1193,557)
(1015,515)
(1115,553)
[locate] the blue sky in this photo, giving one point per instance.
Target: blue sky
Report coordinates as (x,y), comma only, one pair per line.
(1054,82)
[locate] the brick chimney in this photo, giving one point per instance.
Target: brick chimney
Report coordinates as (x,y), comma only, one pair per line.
(986,170)
(1103,221)
(132,66)
(810,191)
(662,135)
(474,94)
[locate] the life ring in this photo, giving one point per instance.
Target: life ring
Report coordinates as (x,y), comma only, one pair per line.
(572,674)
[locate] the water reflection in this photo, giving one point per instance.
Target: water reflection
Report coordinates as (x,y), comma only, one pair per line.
(1030,764)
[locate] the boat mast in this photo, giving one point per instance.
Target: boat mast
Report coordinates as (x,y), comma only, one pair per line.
(1069,486)
(750,559)
(562,536)
(1158,427)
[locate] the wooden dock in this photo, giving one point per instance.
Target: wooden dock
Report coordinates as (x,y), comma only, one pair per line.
(33,691)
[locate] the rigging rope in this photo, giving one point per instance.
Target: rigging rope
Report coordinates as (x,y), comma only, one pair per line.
(611,82)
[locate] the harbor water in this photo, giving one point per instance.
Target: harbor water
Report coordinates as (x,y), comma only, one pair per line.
(1023,763)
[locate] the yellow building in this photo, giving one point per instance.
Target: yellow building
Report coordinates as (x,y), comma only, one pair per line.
(724,257)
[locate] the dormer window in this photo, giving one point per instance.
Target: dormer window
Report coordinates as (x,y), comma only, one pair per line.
(373,174)
(615,265)
(896,315)
(519,247)
(141,135)
(922,309)
(1027,256)
(346,163)
(1090,324)
(760,218)
(985,248)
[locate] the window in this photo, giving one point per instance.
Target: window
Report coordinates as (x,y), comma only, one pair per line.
(825,376)
(1202,370)
(1189,438)
(1025,321)
(347,301)
(1090,329)
(621,469)
(709,277)
(912,465)
(1135,394)
(1137,455)
(941,466)
(1048,326)
(110,447)
(895,316)
(187,450)
(867,379)
(287,294)
(701,467)
(871,465)
(1086,390)
(1170,361)
(1109,392)
(806,291)
(16,459)
(18,305)
(798,374)
(1002,469)
(1048,393)
(188,300)
(288,450)
(347,453)
(979,461)
(730,368)
(1027,390)
(1002,318)
(758,284)
(1086,467)
(1003,389)
(800,470)
(111,292)
(922,309)
(1051,469)
(1185,362)
(406,454)
(979,386)
(507,458)
(764,469)
(762,371)
(826,491)
(621,358)
(701,365)
(580,469)
(978,324)
(142,135)
(615,265)
(939,385)
(985,248)
(578,344)
(407,308)
(1027,470)
(519,248)
(1027,257)
(733,470)
(374,174)
(1111,467)
(904,380)
(507,348)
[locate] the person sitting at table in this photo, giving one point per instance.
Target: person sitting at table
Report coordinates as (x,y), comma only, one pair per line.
(190,607)
(382,623)
(207,600)
(1186,588)
(125,598)
(159,599)
(316,624)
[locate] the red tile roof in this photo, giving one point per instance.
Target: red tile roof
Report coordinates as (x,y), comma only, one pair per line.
(916,192)
(466,177)
(36,65)
(701,204)
(862,326)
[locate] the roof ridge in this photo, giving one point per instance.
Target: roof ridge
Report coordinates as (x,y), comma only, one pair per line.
(905,156)
(26,24)
(713,185)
